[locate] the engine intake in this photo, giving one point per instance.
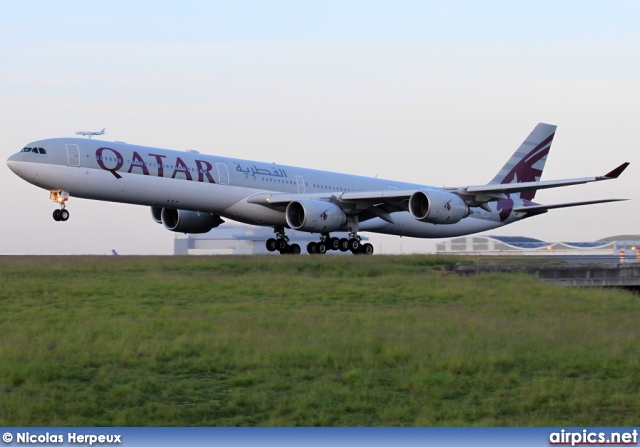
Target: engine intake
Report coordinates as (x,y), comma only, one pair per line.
(183,221)
(437,207)
(315,216)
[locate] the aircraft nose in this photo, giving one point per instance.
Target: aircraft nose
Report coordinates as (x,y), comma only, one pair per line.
(11,159)
(12,162)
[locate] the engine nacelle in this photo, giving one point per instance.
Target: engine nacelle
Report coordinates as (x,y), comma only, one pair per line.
(182,221)
(437,207)
(315,216)
(156,214)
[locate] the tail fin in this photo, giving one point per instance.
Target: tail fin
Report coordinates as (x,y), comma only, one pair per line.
(527,163)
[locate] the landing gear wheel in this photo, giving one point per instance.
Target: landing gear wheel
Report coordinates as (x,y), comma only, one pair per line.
(280,242)
(343,244)
(294,249)
(281,245)
(63,215)
(334,243)
(56,215)
(354,245)
(321,248)
(311,248)
(271,244)
(367,249)
(284,250)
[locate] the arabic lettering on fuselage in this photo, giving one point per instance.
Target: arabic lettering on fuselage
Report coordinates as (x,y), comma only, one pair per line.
(255,170)
(116,163)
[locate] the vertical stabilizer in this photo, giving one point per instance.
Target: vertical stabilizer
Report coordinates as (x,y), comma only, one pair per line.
(527,163)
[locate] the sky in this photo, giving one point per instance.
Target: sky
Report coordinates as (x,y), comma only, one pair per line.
(431,92)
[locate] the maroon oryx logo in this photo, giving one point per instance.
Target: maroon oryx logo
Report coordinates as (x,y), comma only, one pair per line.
(448,205)
(324,215)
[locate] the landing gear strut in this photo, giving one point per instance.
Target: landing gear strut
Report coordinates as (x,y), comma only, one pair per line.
(60,197)
(281,243)
(326,243)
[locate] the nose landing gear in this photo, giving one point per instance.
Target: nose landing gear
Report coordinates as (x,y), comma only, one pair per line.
(60,197)
(61,215)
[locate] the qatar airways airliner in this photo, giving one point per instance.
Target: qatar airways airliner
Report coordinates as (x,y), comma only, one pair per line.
(191,192)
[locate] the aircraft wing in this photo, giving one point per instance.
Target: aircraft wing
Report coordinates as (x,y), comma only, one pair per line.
(486,193)
(370,204)
(368,196)
(367,205)
(482,193)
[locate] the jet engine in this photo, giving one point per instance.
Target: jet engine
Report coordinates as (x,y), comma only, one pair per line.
(182,221)
(315,216)
(437,207)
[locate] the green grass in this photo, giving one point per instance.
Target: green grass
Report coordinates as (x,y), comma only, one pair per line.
(308,341)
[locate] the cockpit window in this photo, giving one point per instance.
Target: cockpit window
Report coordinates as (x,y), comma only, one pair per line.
(34,150)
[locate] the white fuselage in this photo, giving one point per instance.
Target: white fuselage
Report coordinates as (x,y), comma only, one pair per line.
(119,172)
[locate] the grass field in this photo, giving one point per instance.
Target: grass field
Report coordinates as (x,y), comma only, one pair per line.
(308,341)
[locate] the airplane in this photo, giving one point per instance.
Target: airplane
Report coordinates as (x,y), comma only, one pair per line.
(90,134)
(190,192)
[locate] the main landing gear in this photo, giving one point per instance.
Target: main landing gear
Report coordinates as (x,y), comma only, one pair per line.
(60,197)
(281,243)
(352,244)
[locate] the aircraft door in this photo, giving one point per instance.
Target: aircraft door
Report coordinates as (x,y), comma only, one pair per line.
(223,173)
(73,155)
(300,183)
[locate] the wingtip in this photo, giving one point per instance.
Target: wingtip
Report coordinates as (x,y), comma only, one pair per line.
(617,171)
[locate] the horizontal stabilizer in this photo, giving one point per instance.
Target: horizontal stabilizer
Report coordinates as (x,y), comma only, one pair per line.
(563,205)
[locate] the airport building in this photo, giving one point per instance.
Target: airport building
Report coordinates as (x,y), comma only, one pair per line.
(524,246)
(239,239)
